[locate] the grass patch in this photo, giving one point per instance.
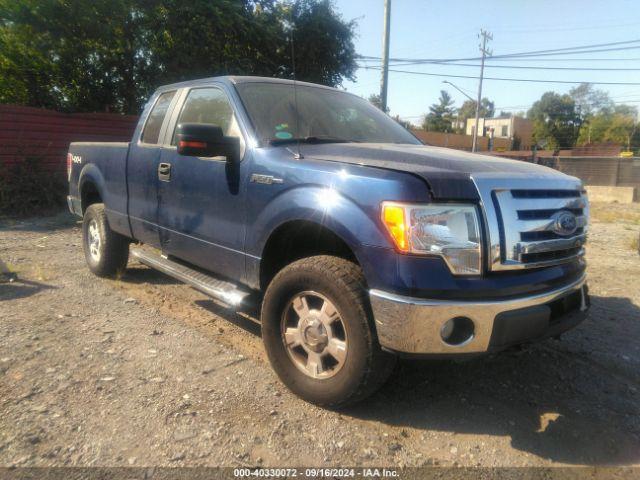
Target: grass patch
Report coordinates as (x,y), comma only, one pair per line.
(616,213)
(635,243)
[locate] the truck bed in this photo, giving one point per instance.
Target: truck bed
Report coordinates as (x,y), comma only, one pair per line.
(105,163)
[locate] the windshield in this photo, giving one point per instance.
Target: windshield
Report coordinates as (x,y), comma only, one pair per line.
(324,114)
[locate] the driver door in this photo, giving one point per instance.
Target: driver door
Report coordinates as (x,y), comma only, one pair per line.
(201,207)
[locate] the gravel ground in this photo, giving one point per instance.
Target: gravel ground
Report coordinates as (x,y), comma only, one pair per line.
(145,371)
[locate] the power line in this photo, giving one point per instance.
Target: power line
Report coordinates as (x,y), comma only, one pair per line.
(548,52)
(519,57)
(526,59)
(531,80)
(525,67)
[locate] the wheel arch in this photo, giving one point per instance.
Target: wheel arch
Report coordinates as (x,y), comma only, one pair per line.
(296,239)
(90,186)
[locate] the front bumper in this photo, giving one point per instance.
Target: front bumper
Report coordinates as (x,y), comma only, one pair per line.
(414,325)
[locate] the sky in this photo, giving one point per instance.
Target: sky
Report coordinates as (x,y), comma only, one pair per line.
(449,29)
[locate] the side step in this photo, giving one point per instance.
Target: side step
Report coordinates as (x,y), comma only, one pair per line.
(226,292)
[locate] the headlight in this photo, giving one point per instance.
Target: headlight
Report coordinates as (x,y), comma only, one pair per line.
(448,230)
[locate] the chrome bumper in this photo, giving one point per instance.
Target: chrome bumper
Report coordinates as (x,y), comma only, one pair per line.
(414,325)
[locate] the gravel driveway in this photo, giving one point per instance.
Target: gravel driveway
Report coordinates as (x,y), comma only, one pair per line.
(145,371)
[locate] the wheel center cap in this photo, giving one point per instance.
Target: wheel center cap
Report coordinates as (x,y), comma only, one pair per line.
(314,335)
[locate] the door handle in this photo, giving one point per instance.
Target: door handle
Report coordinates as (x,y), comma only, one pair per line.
(164,172)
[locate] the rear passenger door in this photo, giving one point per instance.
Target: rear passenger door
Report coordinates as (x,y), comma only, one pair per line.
(202,211)
(143,163)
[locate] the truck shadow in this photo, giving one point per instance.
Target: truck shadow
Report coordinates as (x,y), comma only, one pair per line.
(49,223)
(143,274)
(245,318)
(573,401)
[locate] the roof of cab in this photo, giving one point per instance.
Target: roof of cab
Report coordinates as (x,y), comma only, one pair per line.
(233,79)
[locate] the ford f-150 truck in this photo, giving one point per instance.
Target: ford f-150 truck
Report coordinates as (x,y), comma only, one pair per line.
(362,243)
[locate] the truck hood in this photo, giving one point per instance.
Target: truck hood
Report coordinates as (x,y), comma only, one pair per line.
(447,172)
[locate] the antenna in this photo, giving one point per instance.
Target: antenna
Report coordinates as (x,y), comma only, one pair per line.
(298,155)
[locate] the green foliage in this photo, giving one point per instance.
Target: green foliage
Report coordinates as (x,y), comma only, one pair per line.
(516,143)
(555,121)
(375,100)
(468,109)
(617,126)
(404,123)
(108,55)
(440,114)
(589,101)
(585,115)
(28,187)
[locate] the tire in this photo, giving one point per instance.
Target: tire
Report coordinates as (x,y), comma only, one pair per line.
(106,251)
(344,373)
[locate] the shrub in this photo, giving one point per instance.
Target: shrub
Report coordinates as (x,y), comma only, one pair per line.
(30,187)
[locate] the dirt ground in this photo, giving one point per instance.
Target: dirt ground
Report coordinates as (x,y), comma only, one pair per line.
(145,371)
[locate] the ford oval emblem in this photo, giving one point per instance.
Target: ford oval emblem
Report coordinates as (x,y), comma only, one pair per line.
(565,223)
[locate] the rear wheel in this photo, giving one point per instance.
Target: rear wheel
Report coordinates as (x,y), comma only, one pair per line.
(318,331)
(106,251)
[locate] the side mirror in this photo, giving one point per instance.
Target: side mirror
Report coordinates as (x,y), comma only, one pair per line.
(206,140)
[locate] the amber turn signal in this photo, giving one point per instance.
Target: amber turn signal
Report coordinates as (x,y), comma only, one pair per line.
(393,217)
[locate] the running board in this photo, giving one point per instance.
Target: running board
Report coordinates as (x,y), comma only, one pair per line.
(226,292)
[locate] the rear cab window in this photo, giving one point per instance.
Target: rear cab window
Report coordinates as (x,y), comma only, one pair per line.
(151,132)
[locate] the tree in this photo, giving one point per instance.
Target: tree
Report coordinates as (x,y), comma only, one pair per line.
(468,109)
(589,101)
(96,55)
(617,126)
(623,131)
(407,125)
(440,114)
(375,100)
(324,49)
(555,121)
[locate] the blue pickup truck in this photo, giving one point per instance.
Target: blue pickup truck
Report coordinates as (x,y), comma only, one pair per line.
(361,243)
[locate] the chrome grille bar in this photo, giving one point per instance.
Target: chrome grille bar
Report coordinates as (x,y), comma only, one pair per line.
(548,203)
(538,225)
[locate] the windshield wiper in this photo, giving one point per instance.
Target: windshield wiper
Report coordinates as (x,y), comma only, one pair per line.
(310,139)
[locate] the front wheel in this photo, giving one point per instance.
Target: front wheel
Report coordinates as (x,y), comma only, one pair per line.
(106,251)
(318,332)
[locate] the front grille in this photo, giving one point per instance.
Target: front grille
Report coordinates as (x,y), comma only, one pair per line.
(530,232)
(525,218)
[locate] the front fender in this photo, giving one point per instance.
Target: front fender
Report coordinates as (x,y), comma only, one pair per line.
(357,226)
(324,206)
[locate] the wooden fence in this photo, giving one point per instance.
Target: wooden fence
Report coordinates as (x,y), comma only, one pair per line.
(44,134)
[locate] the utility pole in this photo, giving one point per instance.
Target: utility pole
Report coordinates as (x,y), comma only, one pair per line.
(483,48)
(384,81)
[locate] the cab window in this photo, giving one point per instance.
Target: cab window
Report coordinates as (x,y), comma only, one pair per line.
(209,105)
(151,132)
